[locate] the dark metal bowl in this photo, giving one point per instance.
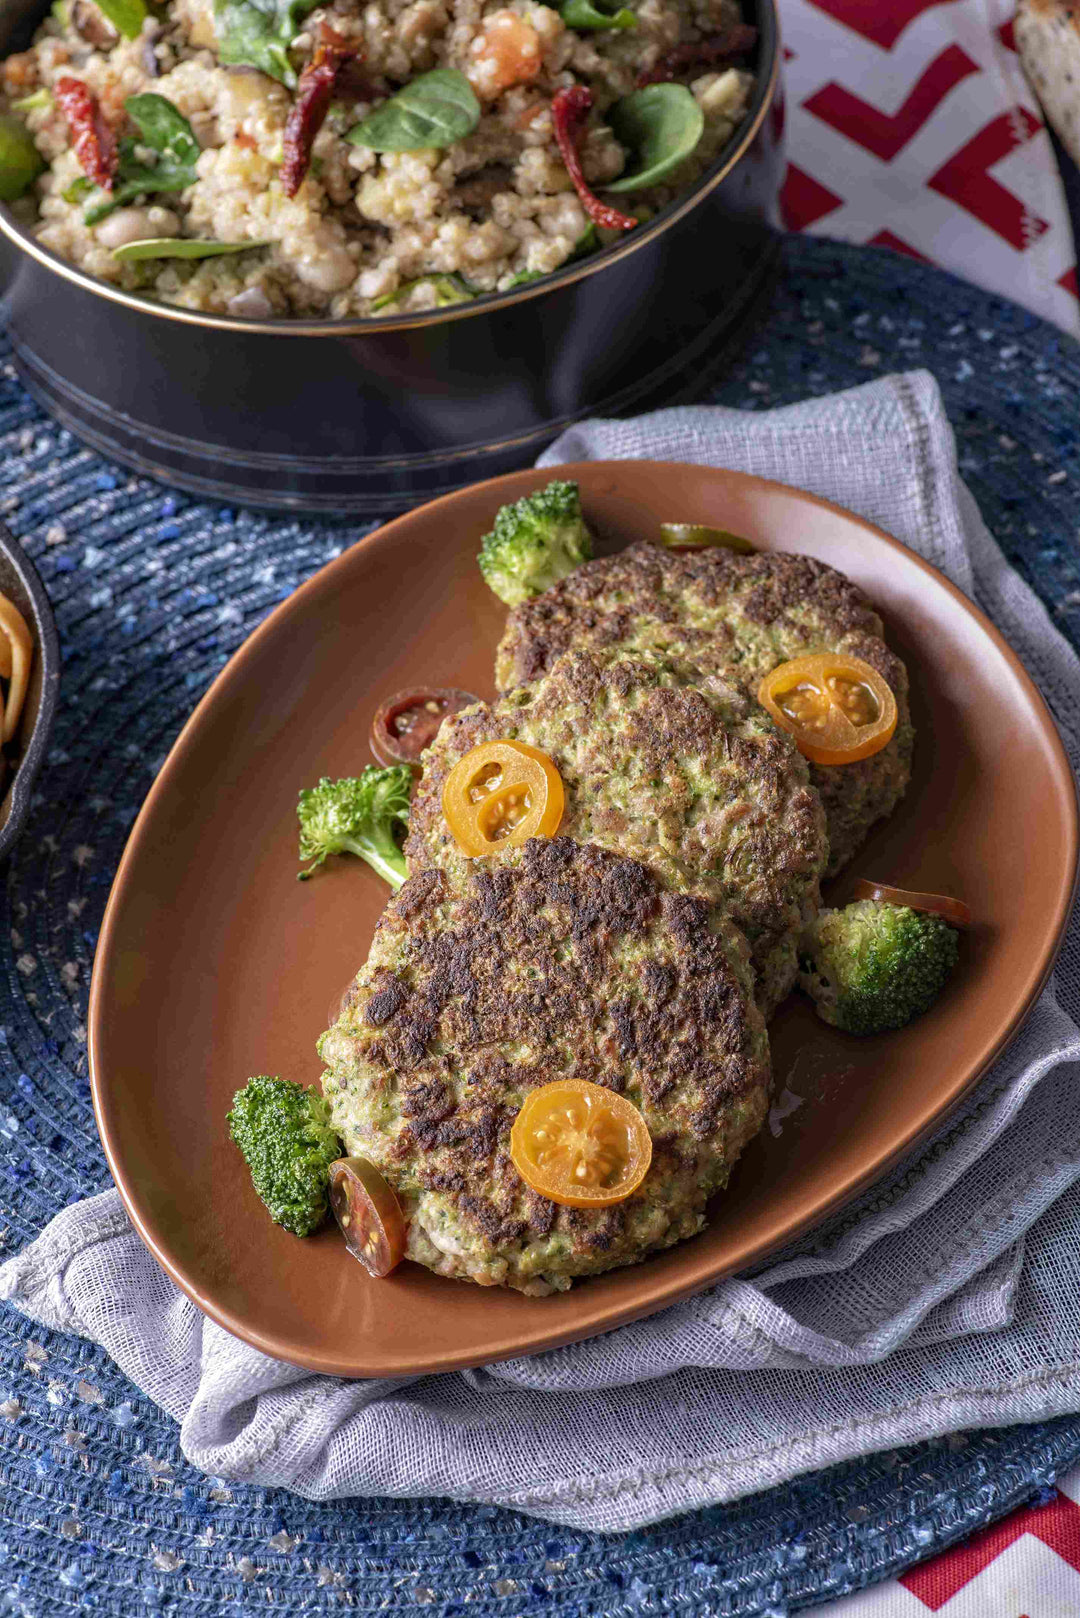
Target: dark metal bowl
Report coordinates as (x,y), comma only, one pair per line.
(24,757)
(352,415)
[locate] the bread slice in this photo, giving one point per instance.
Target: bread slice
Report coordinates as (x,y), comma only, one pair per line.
(1048,39)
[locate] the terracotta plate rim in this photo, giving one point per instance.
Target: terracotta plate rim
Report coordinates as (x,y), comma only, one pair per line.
(661,1295)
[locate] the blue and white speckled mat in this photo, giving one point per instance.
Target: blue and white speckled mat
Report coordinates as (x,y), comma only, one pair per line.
(152,593)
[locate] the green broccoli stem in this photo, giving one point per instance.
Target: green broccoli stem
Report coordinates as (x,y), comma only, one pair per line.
(382,854)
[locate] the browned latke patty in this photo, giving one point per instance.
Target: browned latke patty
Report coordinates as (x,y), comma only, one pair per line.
(691,779)
(556,960)
(734,616)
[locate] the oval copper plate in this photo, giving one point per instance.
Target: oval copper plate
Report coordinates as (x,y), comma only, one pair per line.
(214,963)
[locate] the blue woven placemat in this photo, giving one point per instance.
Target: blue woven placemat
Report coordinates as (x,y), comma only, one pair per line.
(152,592)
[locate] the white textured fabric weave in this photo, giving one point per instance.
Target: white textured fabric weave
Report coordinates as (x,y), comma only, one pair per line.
(946,1298)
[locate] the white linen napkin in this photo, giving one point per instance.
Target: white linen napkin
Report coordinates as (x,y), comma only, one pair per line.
(946,1298)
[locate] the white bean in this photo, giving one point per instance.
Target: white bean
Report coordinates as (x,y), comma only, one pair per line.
(136,225)
(329,268)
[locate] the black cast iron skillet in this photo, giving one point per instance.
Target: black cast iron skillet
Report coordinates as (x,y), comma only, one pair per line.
(355,415)
(24,757)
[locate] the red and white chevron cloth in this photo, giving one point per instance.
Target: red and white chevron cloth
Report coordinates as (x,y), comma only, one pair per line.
(910,124)
(1026,1566)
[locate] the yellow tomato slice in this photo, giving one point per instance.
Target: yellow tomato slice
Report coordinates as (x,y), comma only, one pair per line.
(580,1145)
(500,794)
(837,708)
(694,536)
(368,1214)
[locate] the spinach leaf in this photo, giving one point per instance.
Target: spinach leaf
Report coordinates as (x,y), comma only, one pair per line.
(583,15)
(20,160)
(437,109)
(258,33)
(165,129)
(126,16)
(179,247)
(660,126)
(448,289)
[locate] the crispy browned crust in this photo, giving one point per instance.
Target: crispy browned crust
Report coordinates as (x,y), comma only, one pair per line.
(557,960)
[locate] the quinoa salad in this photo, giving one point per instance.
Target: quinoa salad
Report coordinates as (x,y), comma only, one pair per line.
(267,158)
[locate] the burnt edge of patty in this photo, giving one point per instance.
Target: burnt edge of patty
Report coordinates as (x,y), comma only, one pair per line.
(682,1029)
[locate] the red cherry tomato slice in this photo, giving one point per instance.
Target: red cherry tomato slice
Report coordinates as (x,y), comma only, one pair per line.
(407,722)
(368,1213)
(954,911)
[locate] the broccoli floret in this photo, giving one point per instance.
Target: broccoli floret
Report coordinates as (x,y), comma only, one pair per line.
(359,815)
(875,966)
(535,542)
(284,1133)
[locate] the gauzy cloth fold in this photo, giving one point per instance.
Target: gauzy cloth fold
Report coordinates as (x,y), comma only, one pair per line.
(946,1298)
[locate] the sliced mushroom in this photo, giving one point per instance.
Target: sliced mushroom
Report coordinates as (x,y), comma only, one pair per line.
(478,190)
(148,53)
(90,24)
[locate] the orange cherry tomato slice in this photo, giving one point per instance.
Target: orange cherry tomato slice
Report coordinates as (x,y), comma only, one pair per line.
(837,708)
(954,911)
(580,1145)
(499,795)
(368,1213)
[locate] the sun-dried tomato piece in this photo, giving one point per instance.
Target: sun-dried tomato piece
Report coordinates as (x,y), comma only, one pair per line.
(314,93)
(719,50)
(569,110)
(92,140)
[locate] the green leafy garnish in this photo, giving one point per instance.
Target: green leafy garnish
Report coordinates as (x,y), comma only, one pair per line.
(179,247)
(126,16)
(259,33)
(164,128)
(584,15)
(660,126)
(20,160)
(448,289)
(40,98)
(437,109)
